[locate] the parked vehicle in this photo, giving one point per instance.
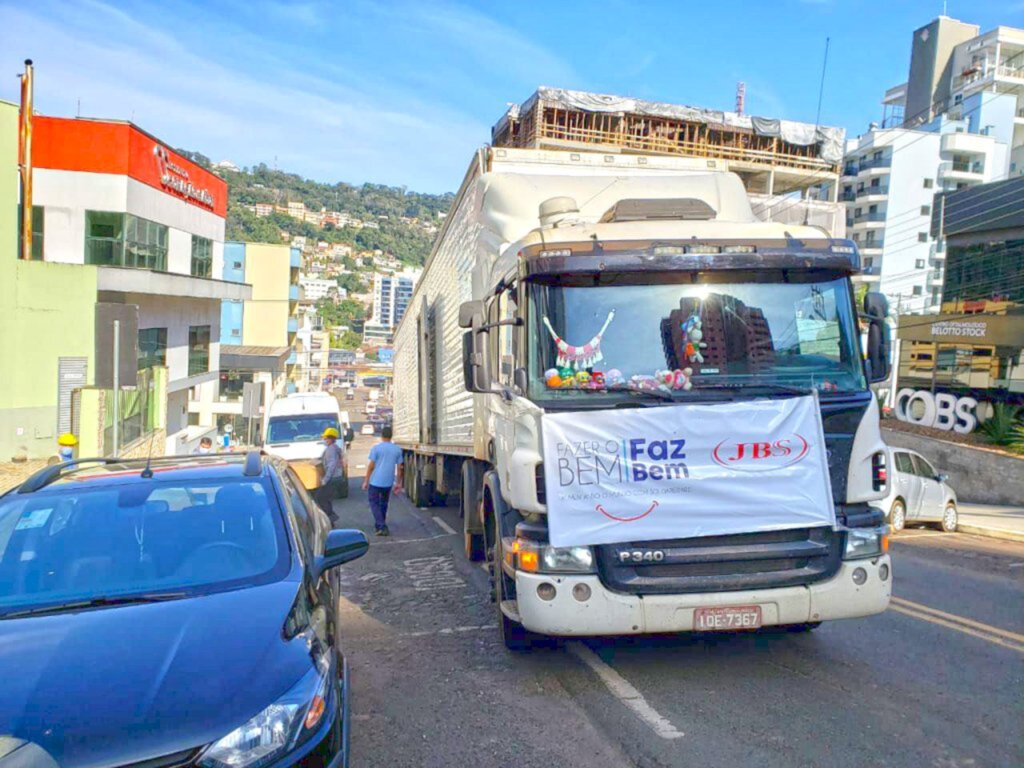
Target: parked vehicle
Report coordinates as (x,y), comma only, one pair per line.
(918,493)
(178,612)
(367,429)
(546,245)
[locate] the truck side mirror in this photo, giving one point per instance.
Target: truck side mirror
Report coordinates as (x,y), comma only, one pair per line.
(472,314)
(876,310)
(474,361)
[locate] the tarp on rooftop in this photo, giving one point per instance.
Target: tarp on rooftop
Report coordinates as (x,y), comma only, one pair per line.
(830,139)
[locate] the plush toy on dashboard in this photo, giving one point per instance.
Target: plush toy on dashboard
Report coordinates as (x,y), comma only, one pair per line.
(694,335)
(614,378)
(646,383)
(597,380)
(681,378)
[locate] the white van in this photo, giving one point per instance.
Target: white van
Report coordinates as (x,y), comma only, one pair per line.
(297,422)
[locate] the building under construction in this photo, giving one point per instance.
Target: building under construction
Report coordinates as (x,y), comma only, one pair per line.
(775,158)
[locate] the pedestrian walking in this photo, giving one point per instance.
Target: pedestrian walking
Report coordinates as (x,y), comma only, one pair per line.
(333,463)
(383,473)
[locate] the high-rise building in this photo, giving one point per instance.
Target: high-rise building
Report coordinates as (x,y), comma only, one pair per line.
(391,296)
(957,122)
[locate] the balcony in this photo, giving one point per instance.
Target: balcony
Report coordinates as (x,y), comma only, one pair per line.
(296,259)
(872,271)
(848,196)
(873,163)
(293,358)
(294,293)
(850,169)
(879,190)
(934,278)
(293,324)
(871,247)
(965,143)
(962,170)
(872,216)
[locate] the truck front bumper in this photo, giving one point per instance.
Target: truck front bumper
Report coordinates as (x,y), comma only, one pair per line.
(611,613)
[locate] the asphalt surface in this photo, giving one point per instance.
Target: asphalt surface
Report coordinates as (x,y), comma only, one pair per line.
(938,680)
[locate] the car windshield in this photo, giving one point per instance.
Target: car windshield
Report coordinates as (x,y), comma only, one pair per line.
(299,429)
(75,542)
(676,337)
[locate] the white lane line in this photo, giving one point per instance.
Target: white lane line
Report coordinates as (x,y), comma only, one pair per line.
(391,542)
(443,525)
(621,689)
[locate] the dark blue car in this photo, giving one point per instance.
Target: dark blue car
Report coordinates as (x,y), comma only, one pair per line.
(181,613)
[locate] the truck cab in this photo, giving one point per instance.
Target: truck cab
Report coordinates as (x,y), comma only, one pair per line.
(662,301)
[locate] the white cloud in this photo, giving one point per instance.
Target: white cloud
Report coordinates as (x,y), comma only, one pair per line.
(211,85)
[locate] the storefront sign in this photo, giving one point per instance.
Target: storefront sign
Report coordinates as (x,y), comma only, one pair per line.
(960,329)
(939,410)
(176,177)
(673,472)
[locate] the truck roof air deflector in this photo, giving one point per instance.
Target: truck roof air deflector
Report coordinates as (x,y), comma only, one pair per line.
(675,208)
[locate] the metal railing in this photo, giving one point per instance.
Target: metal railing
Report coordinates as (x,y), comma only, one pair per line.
(875,162)
(881,189)
(873,216)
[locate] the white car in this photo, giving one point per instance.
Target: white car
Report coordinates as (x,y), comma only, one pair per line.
(917,492)
(367,429)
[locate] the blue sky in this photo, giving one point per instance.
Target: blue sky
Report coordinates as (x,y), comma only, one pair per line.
(401,92)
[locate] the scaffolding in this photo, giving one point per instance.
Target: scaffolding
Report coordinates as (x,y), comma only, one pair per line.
(772,156)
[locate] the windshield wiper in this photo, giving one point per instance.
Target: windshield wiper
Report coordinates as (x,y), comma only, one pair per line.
(95,602)
(658,394)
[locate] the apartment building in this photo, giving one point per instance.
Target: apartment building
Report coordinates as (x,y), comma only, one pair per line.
(125,230)
(391,296)
(316,288)
(957,122)
(259,335)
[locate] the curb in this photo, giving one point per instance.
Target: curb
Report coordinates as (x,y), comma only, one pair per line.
(991,533)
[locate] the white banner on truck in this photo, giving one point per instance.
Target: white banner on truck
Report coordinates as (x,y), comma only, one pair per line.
(647,474)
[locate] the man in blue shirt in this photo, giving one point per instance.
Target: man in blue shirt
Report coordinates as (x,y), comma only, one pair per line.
(383,472)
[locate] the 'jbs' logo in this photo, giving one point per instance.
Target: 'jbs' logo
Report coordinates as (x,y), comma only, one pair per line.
(761,456)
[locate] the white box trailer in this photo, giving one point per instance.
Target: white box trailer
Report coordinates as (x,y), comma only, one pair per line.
(478,366)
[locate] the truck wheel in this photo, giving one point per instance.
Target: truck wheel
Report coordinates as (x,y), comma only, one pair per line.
(422,494)
(476,549)
(513,634)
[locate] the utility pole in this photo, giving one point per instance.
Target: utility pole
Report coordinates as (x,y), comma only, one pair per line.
(25,158)
(117,388)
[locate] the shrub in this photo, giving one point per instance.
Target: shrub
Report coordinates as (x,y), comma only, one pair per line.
(1003,426)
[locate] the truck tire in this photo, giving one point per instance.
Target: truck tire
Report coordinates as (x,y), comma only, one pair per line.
(422,492)
(472,487)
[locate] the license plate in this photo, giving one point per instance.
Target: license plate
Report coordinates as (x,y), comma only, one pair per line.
(725,618)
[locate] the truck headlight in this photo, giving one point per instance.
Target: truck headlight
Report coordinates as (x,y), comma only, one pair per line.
(278,729)
(866,542)
(535,557)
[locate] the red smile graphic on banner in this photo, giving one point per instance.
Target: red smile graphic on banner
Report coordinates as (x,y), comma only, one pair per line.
(642,515)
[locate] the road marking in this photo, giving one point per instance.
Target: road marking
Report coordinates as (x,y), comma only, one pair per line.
(1015,565)
(995,635)
(917,535)
(411,541)
(452,630)
(443,525)
(429,573)
(621,689)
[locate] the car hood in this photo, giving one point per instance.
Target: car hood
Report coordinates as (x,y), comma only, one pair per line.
(127,683)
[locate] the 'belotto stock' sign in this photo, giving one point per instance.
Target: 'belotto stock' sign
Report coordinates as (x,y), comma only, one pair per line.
(647,474)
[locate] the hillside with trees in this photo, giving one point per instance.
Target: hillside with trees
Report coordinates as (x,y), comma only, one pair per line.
(386,206)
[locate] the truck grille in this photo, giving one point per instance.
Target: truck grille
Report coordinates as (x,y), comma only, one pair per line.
(721,563)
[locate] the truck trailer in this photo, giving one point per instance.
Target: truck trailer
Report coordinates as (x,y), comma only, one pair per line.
(586,291)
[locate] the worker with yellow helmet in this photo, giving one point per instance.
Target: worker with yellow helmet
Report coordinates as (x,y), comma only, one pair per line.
(333,463)
(66,446)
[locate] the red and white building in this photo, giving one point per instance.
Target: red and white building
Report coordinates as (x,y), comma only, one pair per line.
(152,221)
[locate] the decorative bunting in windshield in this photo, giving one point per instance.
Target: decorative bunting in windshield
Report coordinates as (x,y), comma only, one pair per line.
(579,357)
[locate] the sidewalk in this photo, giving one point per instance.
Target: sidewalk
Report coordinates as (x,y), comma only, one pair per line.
(990,520)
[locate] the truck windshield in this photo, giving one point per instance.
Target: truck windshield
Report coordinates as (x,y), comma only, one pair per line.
(299,429)
(678,337)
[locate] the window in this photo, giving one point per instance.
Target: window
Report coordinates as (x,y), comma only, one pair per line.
(152,347)
(145,244)
(869,262)
(856,211)
(919,264)
(922,237)
(929,183)
(232,383)
(877,155)
(922,468)
(198,349)
(37,232)
(926,210)
(104,237)
(202,257)
(904,464)
(917,290)
(872,209)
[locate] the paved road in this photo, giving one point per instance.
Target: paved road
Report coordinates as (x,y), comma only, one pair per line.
(936,681)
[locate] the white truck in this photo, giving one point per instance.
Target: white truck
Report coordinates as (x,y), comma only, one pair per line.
(551,268)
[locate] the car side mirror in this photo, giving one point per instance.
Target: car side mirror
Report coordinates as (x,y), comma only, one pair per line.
(876,310)
(342,546)
(942,477)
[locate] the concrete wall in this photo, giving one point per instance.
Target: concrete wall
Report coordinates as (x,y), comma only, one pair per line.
(265,317)
(976,475)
